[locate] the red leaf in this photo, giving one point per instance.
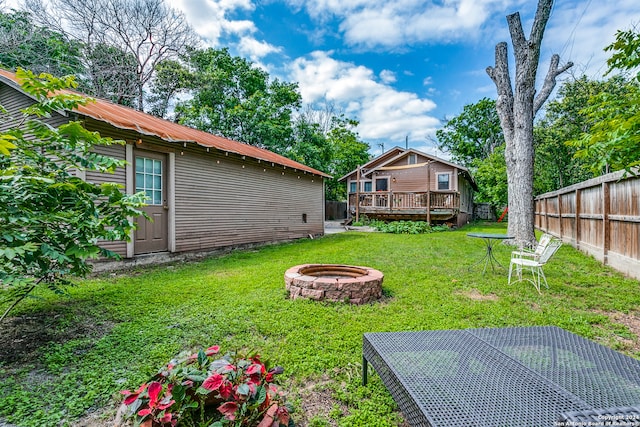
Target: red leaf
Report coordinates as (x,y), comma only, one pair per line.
(213,382)
(228,409)
(254,369)
(144,412)
(165,405)
(212,350)
(269,417)
(226,390)
(167,418)
(131,398)
(154,391)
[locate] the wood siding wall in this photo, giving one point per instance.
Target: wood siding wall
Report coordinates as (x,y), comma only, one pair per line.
(419,179)
(600,216)
(226,201)
(13,101)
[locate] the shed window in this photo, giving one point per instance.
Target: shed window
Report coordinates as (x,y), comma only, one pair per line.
(352,187)
(149,179)
(443,181)
(367,186)
(382,184)
(413,159)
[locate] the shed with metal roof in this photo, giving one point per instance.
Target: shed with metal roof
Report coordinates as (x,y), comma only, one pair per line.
(205,192)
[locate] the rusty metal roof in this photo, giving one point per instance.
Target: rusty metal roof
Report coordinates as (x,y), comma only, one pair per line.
(127,118)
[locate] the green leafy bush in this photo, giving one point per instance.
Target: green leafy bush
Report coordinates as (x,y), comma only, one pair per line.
(408,227)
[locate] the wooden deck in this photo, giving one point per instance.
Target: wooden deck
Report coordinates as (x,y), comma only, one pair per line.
(426,206)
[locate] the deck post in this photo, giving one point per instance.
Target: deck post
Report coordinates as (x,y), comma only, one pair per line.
(358,195)
(429,207)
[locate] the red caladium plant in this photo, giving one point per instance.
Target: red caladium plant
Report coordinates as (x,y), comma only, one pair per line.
(205,388)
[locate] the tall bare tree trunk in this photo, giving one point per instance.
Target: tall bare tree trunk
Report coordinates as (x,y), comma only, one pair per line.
(516,109)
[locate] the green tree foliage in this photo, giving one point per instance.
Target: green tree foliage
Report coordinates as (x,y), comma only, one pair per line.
(555,164)
(50,220)
(491,176)
(613,141)
(475,140)
(473,134)
(171,79)
(348,151)
(235,99)
(24,44)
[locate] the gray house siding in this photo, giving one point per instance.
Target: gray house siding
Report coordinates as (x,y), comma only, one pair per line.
(227,201)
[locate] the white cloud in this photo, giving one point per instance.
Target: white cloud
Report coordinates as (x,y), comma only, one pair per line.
(210,19)
(388,76)
(255,49)
(384,113)
(397,23)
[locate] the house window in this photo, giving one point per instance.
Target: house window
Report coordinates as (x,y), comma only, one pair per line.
(413,159)
(352,187)
(149,179)
(367,186)
(443,181)
(382,184)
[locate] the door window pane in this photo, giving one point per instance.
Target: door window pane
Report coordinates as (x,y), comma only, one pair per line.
(149,179)
(367,186)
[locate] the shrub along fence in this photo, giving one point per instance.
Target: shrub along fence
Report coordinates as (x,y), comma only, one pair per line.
(600,216)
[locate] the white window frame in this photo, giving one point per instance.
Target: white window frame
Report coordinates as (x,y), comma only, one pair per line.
(448,175)
(353,186)
(142,186)
(364,183)
(412,159)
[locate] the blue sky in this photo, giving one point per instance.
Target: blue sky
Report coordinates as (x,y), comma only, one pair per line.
(400,66)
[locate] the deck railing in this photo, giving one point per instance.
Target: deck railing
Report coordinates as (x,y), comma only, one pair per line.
(398,201)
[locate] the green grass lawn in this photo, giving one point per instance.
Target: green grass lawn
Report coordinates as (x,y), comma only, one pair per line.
(70,355)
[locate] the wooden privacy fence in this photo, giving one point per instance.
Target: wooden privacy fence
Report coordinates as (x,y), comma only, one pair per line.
(600,216)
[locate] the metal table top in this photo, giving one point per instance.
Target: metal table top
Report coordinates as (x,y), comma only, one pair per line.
(526,376)
(490,236)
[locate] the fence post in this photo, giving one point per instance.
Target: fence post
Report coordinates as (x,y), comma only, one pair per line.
(546,214)
(576,233)
(606,232)
(560,214)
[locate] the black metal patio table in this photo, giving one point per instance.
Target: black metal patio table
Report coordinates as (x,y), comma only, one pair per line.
(490,240)
(527,376)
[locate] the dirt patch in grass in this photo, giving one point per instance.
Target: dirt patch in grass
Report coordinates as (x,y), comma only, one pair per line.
(23,336)
(632,322)
(476,295)
(316,401)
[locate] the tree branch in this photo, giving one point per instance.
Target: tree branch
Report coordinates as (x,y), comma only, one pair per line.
(540,21)
(549,82)
(517,35)
(16,302)
(502,80)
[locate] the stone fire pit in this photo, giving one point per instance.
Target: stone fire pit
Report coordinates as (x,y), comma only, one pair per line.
(334,282)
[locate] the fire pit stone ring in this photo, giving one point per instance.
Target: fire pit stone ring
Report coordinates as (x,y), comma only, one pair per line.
(334,282)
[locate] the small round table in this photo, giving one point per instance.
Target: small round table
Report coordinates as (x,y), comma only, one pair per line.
(490,239)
